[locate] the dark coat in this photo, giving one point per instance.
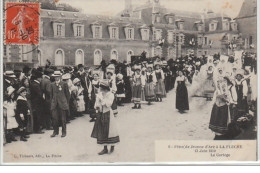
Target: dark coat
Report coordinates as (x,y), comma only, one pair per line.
(60,96)
(46,88)
(36,94)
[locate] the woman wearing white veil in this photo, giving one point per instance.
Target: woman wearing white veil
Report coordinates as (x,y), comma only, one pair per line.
(197,88)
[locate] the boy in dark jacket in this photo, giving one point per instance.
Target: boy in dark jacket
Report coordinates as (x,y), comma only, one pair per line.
(22,112)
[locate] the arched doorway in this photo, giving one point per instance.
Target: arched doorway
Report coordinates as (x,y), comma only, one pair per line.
(129,54)
(59,57)
(114,54)
(79,57)
(97,57)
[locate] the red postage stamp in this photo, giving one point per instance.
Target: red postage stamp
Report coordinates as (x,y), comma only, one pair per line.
(22,23)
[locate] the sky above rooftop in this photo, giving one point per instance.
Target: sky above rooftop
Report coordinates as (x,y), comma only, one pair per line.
(113,7)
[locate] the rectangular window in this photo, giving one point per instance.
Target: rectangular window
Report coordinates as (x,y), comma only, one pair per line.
(79,31)
(113,34)
(212,27)
(157,35)
(97,32)
(146,35)
(130,34)
(59,28)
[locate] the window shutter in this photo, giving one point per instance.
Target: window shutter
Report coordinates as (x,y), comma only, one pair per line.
(54,29)
(63,30)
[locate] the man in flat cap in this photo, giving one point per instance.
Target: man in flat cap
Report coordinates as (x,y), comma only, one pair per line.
(37,102)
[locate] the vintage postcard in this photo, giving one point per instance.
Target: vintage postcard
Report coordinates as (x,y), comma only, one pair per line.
(129,82)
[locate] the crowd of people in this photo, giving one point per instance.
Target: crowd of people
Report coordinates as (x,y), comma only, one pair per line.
(45,98)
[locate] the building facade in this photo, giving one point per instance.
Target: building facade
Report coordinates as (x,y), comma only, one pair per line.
(72,38)
(247,25)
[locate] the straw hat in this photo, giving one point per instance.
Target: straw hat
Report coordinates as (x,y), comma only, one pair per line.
(66,76)
(9,74)
(57,74)
(10,90)
(75,81)
(21,89)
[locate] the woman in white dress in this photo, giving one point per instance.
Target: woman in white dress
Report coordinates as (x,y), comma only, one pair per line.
(80,96)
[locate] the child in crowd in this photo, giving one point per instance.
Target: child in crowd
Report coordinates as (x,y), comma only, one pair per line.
(22,113)
(120,93)
(10,106)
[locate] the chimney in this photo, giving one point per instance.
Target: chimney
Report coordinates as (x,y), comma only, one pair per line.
(128,5)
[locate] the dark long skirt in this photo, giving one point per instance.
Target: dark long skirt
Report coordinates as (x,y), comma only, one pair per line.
(182,102)
(101,130)
(160,89)
(149,92)
(137,91)
(219,119)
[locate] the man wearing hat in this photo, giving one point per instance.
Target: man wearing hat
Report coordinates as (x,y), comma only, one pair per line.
(59,96)
(37,101)
(9,79)
(46,89)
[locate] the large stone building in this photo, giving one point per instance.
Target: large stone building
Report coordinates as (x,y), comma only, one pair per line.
(71,38)
(247,25)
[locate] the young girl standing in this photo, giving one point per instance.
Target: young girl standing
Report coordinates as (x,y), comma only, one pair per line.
(160,86)
(138,86)
(105,128)
(150,84)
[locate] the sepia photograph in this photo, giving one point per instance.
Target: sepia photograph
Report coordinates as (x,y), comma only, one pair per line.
(128,81)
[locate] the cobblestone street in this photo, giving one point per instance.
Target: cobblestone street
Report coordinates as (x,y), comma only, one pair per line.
(138,129)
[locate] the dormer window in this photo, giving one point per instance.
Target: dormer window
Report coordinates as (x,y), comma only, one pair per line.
(180,24)
(145,33)
(225,25)
(199,25)
(234,26)
(96,30)
(78,29)
(129,32)
(113,31)
(58,28)
(213,25)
